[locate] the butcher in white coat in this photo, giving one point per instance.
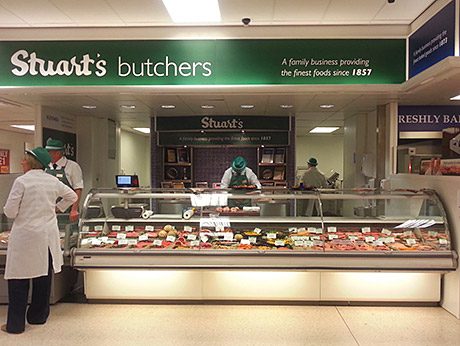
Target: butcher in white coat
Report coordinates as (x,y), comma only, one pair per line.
(34,249)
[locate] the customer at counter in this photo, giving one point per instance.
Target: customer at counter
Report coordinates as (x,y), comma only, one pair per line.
(239,175)
(67,171)
(312,179)
(34,248)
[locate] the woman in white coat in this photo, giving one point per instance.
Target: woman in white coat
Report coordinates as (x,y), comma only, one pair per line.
(34,249)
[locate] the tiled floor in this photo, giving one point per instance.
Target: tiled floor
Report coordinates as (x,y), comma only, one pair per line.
(94,324)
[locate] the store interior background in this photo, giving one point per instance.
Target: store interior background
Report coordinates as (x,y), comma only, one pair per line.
(358,110)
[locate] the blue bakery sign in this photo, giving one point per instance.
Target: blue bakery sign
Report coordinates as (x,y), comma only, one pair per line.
(426,121)
(433,41)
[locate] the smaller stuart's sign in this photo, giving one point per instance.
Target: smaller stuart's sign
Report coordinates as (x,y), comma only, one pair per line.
(222,123)
(426,121)
(4,161)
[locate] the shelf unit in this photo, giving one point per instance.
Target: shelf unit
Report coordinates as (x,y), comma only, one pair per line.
(272,166)
(177,166)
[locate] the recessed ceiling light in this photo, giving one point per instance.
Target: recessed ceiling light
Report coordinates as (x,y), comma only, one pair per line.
(193,11)
(128,106)
(208,106)
(89,107)
(324,129)
(168,106)
(326,106)
(455,98)
(286,106)
(142,129)
(247,106)
(25,127)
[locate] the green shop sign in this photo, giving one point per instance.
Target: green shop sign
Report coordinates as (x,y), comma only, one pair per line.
(223,138)
(202,62)
(222,123)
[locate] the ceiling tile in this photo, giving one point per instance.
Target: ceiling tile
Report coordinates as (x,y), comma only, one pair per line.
(300,11)
(232,11)
(7,18)
(89,12)
(407,10)
(141,11)
(357,11)
(36,12)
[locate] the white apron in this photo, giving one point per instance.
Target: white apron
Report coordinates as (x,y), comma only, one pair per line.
(32,204)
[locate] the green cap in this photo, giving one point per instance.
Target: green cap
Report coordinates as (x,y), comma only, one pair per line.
(54,144)
(312,161)
(41,154)
(239,163)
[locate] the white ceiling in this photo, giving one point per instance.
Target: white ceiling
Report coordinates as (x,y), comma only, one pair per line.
(18,104)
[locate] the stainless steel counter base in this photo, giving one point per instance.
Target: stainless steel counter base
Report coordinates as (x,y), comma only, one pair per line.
(225,259)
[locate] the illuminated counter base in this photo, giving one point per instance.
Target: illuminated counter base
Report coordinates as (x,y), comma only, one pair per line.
(285,285)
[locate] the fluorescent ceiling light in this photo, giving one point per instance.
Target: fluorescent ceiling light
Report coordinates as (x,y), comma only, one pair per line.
(286,106)
(326,106)
(25,127)
(142,129)
(168,106)
(207,106)
(324,129)
(128,106)
(247,106)
(455,98)
(193,11)
(89,107)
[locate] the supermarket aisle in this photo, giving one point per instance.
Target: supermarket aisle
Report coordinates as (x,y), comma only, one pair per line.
(83,324)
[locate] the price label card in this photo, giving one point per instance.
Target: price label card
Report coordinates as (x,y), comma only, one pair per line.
(411,242)
(104,239)
(308,243)
(111,241)
(318,242)
(188,229)
(312,229)
(245,242)
(220,228)
(129,228)
(132,241)
(252,240)
(96,242)
(315,237)
(143,237)
(378,242)
(85,229)
(366,229)
(228,236)
(157,242)
(149,228)
(407,233)
(171,238)
(98,228)
(292,229)
(301,229)
(86,241)
(432,233)
(389,240)
(332,229)
(319,231)
(386,231)
(116,228)
(271,235)
(121,236)
(257,230)
(204,239)
(279,243)
(123,242)
(298,243)
(195,243)
(191,237)
(443,241)
(369,239)
(352,237)
(333,236)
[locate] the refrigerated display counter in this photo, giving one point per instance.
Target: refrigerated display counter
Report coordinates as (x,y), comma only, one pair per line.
(123,232)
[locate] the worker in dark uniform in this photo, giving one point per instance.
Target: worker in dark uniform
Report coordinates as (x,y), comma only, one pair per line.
(67,171)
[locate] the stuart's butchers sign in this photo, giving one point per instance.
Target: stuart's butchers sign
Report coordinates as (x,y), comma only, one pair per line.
(426,121)
(202,62)
(4,161)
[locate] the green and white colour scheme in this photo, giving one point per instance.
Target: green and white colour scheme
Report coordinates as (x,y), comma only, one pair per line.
(202,62)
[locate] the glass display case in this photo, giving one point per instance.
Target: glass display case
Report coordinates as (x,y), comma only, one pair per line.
(274,228)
